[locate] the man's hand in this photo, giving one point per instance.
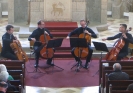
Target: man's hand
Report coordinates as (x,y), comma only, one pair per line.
(104,39)
(67,37)
(87,32)
(124,35)
(33,39)
(15,41)
(3,89)
(15,37)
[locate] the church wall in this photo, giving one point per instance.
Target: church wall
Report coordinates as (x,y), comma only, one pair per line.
(0,11)
(4,5)
(20,10)
(97,11)
(37,10)
(78,10)
(10,11)
(109,6)
(94,10)
(103,11)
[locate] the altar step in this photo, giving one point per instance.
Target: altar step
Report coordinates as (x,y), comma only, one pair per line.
(56,26)
(54,33)
(57,29)
(67,54)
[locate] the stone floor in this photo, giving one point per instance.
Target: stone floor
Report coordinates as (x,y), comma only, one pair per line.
(92,89)
(24,28)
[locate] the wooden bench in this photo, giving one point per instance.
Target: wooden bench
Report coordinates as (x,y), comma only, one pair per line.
(18,84)
(108,71)
(118,91)
(14,65)
(20,90)
(15,74)
(16,69)
(117,84)
(111,63)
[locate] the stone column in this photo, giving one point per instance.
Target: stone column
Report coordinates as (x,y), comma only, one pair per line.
(20,10)
(11,11)
(109,5)
(78,10)
(97,11)
(0,11)
(117,10)
(130,19)
(17,11)
(103,11)
(36,10)
(4,5)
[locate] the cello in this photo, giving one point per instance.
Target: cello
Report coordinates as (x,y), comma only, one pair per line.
(17,48)
(46,52)
(118,45)
(83,51)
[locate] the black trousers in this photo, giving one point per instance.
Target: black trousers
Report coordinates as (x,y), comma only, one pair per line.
(9,55)
(88,58)
(37,55)
(121,55)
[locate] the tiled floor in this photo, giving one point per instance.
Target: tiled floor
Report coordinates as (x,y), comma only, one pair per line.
(112,30)
(92,89)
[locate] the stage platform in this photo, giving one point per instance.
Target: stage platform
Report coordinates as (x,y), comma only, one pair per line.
(22,31)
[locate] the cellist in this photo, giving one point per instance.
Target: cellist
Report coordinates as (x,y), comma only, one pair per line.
(35,37)
(127,37)
(7,39)
(78,31)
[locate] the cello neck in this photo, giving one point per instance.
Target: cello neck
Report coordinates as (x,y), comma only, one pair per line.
(85,27)
(45,37)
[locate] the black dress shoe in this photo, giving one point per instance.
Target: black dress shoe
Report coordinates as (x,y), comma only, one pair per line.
(36,65)
(86,66)
(50,63)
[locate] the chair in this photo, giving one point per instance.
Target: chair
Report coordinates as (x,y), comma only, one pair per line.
(2,58)
(31,48)
(0,49)
(131,51)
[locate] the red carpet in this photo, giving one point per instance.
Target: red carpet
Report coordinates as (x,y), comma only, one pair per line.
(65,78)
(61,30)
(61,25)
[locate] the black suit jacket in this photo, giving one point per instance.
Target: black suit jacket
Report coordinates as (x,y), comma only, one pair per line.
(118,75)
(37,33)
(7,39)
(127,41)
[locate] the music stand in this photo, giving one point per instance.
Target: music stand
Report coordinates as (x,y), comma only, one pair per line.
(78,42)
(53,44)
(100,47)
